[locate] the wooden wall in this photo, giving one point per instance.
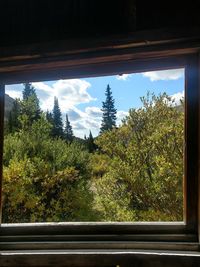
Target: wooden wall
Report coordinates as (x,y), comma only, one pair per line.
(27,21)
(34,21)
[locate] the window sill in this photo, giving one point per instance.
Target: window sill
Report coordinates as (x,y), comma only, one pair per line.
(101,258)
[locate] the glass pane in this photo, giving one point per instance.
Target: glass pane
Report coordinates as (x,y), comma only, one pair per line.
(95,149)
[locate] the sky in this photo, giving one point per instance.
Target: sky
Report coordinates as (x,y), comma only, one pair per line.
(82,99)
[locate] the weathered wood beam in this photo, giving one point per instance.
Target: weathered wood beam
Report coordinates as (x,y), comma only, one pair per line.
(99,258)
(83,57)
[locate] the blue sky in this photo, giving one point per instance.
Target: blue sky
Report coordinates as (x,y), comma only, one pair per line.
(82,99)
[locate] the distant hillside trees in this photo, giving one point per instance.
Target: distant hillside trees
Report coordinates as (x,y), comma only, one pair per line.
(13,118)
(24,112)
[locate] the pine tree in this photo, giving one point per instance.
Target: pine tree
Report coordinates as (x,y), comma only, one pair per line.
(57,130)
(30,102)
(109,112)
(49,117)
(28,91)
(68,130)
(90,143)
(30,107)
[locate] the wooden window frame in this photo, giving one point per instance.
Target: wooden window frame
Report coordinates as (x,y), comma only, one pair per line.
(168,235)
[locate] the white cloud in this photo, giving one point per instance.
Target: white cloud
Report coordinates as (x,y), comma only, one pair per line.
(90,119)
(123,77)
(174,74)
(73,115)
(93,112)
(14,94)
(78,127)
(120,116)
(42,86)
(69,92)
(177,97)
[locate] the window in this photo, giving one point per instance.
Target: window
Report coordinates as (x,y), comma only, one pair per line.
(174,233)
(68,157)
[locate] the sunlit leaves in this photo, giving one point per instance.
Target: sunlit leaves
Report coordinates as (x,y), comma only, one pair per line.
(147,158)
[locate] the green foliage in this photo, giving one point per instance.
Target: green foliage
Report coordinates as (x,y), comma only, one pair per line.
(57,129)
(31,194)
(90,143)
(68,132)
(109,112)
(130,173)
(27,142)
(19,197)
(99,165)
(30,108)
(49,117)
(112,199)
(49,177)
(147,159)
(28,91)
(24,112)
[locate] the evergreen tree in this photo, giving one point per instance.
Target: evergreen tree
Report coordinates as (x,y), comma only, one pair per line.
(30,107)
(109,112)
(49,117)
(68,130)
(28,91)
(30,102)
(90,143)
(57,130)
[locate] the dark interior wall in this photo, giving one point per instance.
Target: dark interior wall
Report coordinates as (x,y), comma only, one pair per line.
(26,21)
(167,14)
(30,21)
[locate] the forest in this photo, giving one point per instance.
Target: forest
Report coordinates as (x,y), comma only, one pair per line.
(132,172)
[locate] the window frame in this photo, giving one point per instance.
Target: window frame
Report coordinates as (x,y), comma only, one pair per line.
(164,235)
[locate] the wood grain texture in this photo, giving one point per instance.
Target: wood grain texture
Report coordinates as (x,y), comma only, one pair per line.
(98,245)
(93,228)
(100,258)
(94,56)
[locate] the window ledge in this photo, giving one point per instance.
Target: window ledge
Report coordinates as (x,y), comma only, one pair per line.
(101,258)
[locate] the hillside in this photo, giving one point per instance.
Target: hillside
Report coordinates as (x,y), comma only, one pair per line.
(8,105)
